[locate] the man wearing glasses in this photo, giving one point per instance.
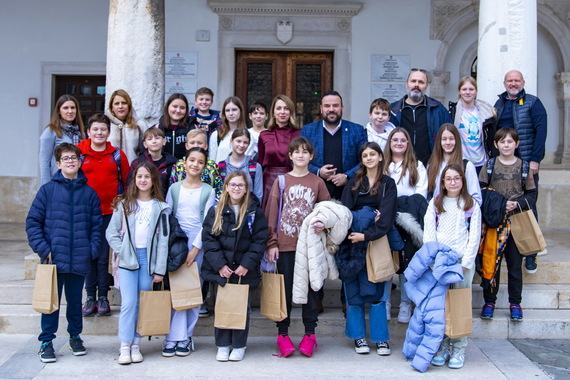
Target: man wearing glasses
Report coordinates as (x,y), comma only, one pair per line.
(419,114)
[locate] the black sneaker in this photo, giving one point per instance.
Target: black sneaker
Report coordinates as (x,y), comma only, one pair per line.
(383,349)
(76,346)
(361,346)
(47,353)
(531,264)
(89,307)
(169,349)
(184,347)
(103,307)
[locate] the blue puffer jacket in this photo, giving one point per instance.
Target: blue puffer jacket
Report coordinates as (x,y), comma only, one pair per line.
(65,220)
(429,274)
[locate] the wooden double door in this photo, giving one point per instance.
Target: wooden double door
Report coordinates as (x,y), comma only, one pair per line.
(303,76)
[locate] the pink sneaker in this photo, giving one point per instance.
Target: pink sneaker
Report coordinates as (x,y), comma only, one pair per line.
(307,345)
(285,345)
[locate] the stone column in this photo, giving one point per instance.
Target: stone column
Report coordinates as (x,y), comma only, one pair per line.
(437,82)
(135,55)
(507,41)
(563,151)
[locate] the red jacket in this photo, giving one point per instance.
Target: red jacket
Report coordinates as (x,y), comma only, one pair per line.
(102,173)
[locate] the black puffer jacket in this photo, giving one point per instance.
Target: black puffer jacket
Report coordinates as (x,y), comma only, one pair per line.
(244,246)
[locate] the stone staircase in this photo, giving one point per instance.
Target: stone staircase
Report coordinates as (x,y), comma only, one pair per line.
(546,299)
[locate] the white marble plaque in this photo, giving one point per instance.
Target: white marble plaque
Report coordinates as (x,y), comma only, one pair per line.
(186,87)
(390,68)
(181,65)
(388,91)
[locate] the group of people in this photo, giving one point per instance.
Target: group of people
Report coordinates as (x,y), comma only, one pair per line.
(246,195)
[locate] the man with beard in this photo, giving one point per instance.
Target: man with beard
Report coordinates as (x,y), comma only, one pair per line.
(330,137)
(419,114)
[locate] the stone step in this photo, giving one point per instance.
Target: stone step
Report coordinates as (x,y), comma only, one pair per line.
(537,324)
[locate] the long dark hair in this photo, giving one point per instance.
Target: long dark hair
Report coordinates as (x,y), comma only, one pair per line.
(410,163)
(166,117)
(436,158)
(129,197)
(463,194)
(362,170)
(225,128)
(55,121)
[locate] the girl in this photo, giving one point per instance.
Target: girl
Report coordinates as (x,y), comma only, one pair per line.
(125,133)
(411,182)
(476,121)
(237,160)
(233,117)
(454,219)
(143,250)
(65,125)
(272,147)
(174,123)
(447,151)
(234,237)
(188,200)
(368,194)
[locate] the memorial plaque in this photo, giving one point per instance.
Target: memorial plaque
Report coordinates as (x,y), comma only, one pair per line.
(186,87)
(388,91)
(183,65)
(390,68)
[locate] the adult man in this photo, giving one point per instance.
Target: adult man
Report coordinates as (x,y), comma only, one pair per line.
(526,114)
(330,137)
(419,114)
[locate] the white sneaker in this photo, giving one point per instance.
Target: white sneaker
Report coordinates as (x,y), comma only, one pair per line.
(543,252)
(388,309)
(125,355)
(136,356)
(405,312)
(237,354)
(361,346)
(223,354)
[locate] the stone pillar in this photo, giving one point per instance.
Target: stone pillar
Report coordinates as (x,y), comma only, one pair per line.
(507,41)
(563,151)
(135,55)
(437,82)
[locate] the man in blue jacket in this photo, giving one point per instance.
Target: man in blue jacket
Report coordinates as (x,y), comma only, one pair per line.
(64,225)
(336,142)
(419,114)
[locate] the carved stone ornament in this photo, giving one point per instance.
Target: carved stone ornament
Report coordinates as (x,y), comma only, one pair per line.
(284,31)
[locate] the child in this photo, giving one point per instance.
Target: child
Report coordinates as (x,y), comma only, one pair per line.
(369,194)
(64,214)
(234,235)
(175,124)
(202,116)
(237,160)
(454,219)
(379,126)
(301,191)
(448,151)
(107,170)
(507,179)
(210,175)
(233,117)
(258,116)
(154,141)
(188,199)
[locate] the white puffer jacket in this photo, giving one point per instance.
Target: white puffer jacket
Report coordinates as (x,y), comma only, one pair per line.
(314,260)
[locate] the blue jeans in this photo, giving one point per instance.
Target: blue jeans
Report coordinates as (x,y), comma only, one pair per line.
(131,283)
(356,322)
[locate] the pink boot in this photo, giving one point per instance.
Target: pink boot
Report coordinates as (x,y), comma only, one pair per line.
(285,345)
(307,345)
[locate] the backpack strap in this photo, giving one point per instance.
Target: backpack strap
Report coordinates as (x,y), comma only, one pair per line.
(222,169)
(252,169)
(281,179)
(175,194)
(465,161)
(117,158)
(490,168)
(525,167)
(204,196)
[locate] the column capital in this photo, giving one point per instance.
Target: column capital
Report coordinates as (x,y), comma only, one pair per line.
(437,81)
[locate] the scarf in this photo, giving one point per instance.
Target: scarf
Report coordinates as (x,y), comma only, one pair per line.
(72,131)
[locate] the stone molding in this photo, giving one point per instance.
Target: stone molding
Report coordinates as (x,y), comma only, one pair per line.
(262,8)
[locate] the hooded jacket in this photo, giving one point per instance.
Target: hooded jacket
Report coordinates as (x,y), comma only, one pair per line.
(164,169)
(126,137)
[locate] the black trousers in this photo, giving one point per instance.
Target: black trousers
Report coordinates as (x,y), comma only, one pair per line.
(514,262)
(234,338)
(98,279)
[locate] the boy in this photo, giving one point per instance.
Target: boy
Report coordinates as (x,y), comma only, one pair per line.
(201,115)
(64,225)
(379,126)
(154,141)
(107,169)
(505,174)
(258,116)
(301,191)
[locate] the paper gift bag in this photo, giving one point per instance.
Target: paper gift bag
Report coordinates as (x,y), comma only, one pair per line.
(185,287)
(458,317)
(273,305)
(231,306)
(396,260)
(154,312)
(379,263)
(527,234)
(45,299)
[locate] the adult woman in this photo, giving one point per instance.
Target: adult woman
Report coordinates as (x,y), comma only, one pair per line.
(125,133)
(273,144)
(174,123)
(65,125)
(233,117)
(475,120)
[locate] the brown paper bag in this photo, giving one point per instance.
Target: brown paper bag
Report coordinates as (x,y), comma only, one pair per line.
(273,304)
(45,299)
(185,287)
(458,314)
(231,306)
(527,234)
(154,312)
(396,260)
(379,263)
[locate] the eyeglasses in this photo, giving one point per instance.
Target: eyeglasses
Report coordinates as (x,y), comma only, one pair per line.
(239,186)
(396,140)
(69,159)
(421,70)
(454,179)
